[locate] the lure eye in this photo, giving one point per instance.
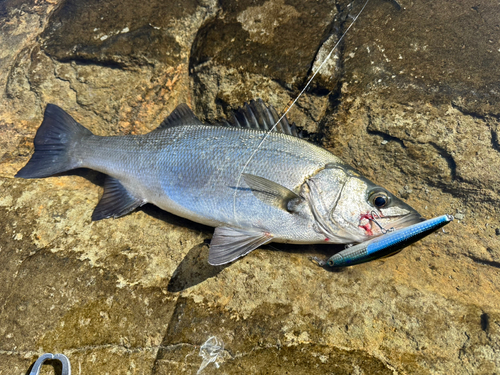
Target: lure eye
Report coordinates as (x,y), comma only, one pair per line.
(379,199)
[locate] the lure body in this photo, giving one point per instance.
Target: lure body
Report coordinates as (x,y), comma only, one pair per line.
(387,244)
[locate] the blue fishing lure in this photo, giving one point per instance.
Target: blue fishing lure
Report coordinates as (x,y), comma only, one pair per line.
(388,244)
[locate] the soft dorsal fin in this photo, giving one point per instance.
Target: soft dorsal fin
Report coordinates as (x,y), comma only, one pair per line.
(257,115)
(181,115)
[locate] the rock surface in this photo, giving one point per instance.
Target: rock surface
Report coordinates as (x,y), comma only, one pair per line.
(411,99)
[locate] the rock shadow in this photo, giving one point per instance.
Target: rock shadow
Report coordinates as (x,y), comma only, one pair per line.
(97,178)
(314,253)
(193,269)
(158,213)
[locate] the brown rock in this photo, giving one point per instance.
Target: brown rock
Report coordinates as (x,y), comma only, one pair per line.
(411,100)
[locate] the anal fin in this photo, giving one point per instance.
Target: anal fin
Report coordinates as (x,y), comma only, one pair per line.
(229,244)
(116,201)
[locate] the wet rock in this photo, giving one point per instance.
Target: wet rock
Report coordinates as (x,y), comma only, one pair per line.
(117,33)
(410,99)
(244,53)
(423,50)
(260,38)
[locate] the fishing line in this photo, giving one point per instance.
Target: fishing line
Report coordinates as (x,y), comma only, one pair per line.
(290,107)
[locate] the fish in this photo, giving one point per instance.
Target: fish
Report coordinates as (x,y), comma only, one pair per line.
(291,191)
(388,244)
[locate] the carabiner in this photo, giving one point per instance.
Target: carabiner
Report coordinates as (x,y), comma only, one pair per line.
(66,366)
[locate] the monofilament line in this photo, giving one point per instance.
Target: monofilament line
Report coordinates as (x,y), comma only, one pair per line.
(290,107)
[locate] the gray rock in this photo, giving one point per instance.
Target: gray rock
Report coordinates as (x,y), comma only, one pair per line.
(136,294)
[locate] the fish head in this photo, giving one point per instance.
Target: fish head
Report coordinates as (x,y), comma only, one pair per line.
(348,208)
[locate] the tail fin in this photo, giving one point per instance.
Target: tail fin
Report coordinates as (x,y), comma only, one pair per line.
(54,139)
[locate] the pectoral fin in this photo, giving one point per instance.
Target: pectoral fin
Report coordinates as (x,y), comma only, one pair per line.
(229,244)
(270,192)
(116,201)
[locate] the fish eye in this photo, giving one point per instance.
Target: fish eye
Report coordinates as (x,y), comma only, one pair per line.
(379,199)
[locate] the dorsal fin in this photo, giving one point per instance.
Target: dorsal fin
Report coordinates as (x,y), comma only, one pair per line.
(257,115)
(181,115)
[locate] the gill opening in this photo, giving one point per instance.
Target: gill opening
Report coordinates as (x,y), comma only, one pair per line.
(238,181)
(323,225)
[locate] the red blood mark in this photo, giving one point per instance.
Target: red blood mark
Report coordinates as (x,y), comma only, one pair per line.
(366,216)
(327,239)
(368,226)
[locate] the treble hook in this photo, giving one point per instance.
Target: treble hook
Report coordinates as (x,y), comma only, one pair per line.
(66,367)
(374,218)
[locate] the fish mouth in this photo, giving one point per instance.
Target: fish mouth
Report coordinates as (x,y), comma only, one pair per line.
(399,223)
(372,221)
(407,220)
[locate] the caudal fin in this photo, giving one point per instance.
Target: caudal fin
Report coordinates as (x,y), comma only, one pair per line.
(54,140)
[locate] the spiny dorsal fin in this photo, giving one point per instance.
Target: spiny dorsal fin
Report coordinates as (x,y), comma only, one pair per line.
(257,115)
(181,115)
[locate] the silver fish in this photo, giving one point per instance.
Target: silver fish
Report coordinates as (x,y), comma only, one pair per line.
(291,191)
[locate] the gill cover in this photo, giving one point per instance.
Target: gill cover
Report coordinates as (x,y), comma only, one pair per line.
(340,199)
(324,192)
